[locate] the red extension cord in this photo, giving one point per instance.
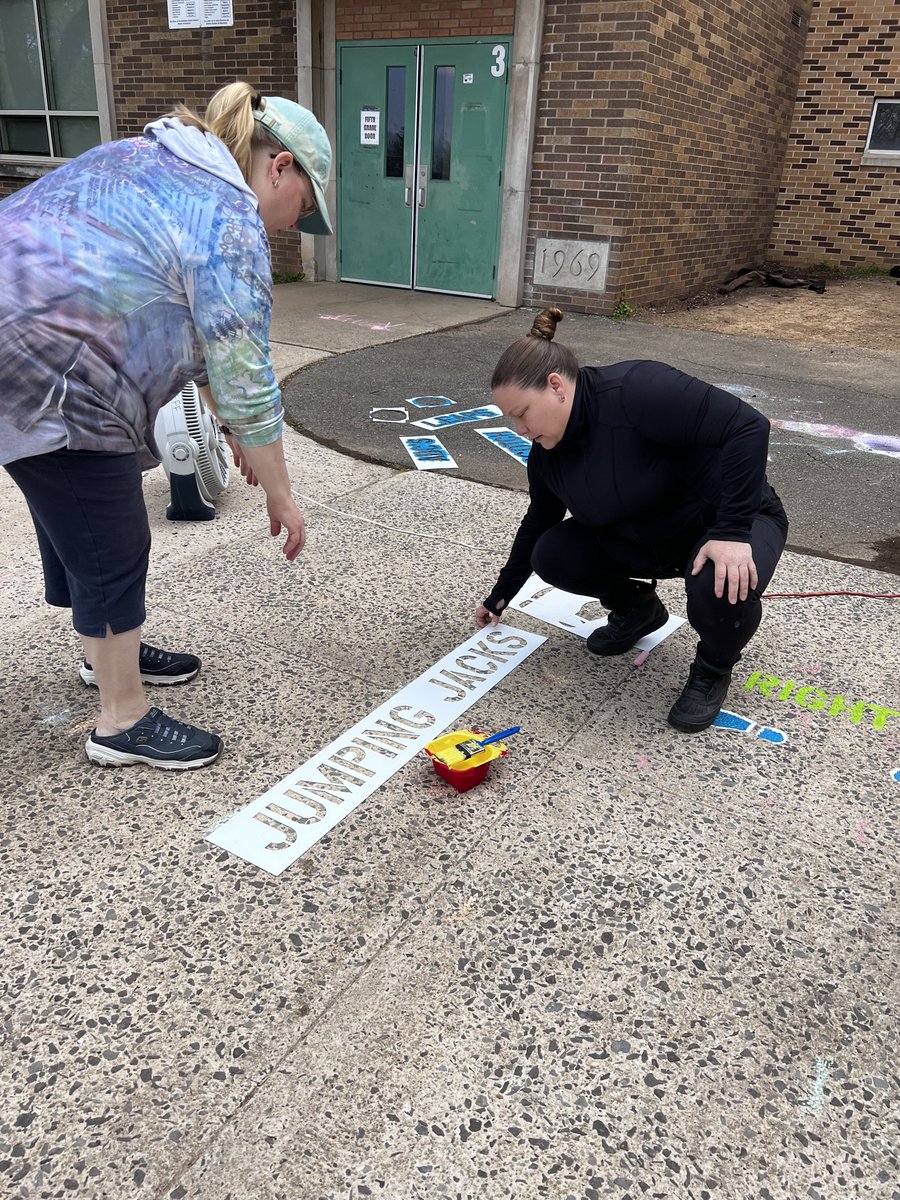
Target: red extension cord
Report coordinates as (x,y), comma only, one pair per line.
(806,595)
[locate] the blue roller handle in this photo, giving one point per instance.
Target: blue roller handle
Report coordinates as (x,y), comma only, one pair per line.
(497,737)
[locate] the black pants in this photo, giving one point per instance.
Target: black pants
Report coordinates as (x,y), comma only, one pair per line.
(575,558)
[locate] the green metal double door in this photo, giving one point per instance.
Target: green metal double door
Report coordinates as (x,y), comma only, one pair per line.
(422,133)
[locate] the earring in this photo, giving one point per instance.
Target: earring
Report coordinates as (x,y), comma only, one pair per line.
(274,183)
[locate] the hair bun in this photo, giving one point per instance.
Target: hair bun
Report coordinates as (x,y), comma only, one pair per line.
(545,324)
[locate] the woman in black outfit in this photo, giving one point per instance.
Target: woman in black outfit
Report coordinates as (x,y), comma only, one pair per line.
(663,475)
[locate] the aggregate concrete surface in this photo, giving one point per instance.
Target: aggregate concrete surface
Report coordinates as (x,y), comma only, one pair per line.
(632,963)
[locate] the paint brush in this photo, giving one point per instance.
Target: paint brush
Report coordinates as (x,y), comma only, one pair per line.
(454,755)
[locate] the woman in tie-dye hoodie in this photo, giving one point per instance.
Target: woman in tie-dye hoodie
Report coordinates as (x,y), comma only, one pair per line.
(124,274)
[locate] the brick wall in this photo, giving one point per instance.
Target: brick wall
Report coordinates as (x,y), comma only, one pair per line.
(833,207)
(663,128)
(423,19)
(8,186)
(154,67)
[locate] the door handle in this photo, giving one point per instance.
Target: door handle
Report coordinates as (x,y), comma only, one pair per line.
(422,197)
(408,185)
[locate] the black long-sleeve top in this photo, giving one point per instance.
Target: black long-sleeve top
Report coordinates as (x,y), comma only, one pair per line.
(650,457)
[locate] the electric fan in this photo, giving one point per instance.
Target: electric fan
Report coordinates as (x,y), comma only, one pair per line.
(194,455)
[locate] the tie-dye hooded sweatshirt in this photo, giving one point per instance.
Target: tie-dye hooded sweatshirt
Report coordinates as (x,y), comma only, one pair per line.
(124,274)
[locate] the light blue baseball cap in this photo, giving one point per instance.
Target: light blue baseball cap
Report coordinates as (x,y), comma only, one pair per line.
(300,133)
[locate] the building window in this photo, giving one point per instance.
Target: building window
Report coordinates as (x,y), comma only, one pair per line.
(48,80)
(884,131)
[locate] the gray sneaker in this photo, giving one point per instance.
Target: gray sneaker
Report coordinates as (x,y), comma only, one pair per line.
(158,741)
(157,667)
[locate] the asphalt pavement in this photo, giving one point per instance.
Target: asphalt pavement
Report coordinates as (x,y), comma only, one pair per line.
(835,447)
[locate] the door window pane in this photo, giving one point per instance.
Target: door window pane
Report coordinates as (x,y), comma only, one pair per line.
(20,61)
(443,122)
(395,134)
(24,135)
(68,54)
(885,127)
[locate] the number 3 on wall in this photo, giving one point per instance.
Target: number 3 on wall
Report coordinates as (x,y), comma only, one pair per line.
(499,67)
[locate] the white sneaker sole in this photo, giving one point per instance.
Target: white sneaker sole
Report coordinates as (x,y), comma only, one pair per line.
(106,756)
(87,674)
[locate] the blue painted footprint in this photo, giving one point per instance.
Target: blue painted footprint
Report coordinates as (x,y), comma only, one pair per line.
(734,721)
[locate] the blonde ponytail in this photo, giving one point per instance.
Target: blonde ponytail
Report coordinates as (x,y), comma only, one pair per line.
(229,117)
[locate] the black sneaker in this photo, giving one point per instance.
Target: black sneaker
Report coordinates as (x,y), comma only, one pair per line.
(157,666)
(629,625)
(702,698)
(157,740)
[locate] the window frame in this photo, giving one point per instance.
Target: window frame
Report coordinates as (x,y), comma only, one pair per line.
(881,157)
(31,166)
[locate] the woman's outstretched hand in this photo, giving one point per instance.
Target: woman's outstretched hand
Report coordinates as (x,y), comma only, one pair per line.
(484,616)
(239,461)
(285,516)
(734,564)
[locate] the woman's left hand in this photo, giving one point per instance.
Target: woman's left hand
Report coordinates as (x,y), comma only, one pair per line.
(239,461)
(734,563)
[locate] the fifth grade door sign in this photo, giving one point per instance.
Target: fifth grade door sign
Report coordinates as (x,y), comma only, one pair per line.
(369,127)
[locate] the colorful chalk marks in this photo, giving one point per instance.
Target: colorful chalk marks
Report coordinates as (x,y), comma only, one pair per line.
(816,1099)
(428,453)
(873,443)
(739,724)
(508,440)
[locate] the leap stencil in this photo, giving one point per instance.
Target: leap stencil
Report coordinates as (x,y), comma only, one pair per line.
(563,609)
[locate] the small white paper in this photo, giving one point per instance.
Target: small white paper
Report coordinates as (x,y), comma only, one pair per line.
(184,14)
(273,831)
(217,13)
(200,14)
(428,453)
(466,417)
(468,77)
(562,609)
(369,127)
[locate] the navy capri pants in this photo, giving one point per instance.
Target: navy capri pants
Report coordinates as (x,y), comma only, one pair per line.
(94,537)
(577,559)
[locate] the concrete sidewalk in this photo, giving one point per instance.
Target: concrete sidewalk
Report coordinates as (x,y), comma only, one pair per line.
(631,963)
(315,321)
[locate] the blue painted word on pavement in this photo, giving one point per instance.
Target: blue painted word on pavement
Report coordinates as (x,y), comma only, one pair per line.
(513,443)
(466,417)
(428,452)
